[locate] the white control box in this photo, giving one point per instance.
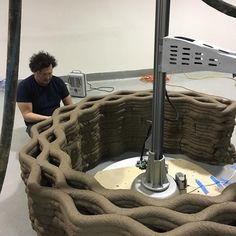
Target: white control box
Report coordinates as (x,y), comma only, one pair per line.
(77,84)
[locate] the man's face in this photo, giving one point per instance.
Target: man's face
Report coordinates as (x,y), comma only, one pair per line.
(44,76)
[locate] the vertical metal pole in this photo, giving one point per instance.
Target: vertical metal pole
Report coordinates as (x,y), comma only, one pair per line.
(161,30)
(13,50)
(155,178)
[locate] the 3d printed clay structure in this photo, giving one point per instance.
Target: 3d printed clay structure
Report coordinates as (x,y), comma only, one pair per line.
(64,200)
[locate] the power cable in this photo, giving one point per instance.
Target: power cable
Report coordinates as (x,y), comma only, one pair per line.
(107,89)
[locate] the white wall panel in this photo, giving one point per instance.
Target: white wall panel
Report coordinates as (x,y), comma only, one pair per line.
(107,35)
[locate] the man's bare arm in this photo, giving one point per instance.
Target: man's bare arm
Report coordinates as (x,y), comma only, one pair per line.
(67,100)
(28,115)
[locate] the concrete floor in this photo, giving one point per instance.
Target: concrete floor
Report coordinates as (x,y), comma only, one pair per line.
(14,219)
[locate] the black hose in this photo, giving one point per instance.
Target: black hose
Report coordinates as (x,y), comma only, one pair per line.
(14,29)
(222,6)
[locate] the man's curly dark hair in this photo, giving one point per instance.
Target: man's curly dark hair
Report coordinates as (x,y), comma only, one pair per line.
(41,60)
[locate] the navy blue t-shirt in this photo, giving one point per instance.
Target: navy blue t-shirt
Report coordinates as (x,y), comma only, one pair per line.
(44,99)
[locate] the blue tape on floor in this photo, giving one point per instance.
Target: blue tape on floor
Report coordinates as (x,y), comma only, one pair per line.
(216,181)
(225,181)
(203,188)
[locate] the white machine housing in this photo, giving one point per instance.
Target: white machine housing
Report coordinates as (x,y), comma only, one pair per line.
(181,55)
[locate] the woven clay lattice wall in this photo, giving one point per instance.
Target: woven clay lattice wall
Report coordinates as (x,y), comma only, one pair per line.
(64,200)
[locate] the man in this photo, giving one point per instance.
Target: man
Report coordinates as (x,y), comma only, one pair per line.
(41,93)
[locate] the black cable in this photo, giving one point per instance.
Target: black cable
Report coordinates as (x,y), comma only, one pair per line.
(101,88)
(143,163)
(147,135)
(174,108)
